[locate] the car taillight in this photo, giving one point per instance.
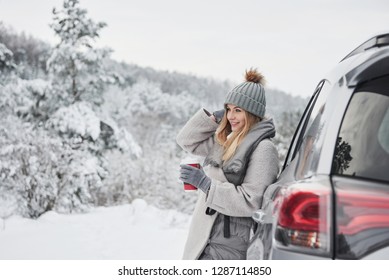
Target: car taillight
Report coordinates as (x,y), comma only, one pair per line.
(362,217)
(304,217)
(361,211)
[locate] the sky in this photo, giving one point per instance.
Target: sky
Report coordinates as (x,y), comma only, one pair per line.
(293,43)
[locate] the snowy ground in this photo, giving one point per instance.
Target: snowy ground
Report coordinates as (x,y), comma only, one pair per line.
(132,232)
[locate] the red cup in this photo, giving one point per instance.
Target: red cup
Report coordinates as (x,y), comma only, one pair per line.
(189,187)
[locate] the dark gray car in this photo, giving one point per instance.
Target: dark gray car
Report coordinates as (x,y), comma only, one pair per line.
(331,200)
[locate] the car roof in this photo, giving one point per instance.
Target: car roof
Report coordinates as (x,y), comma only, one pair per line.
(378,40)
(366,62)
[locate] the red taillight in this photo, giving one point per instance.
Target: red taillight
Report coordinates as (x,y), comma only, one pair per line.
(362,217)
(303,216)
(300,210)
(359,211)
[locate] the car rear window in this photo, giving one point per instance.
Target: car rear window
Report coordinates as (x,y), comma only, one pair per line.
(362,148)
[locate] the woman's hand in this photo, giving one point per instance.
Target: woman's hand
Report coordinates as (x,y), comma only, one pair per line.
(218,115)
(195,177)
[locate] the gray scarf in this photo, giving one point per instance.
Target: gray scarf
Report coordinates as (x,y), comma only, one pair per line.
(235,168)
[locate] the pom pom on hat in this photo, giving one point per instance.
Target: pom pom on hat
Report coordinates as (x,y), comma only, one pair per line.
(249,95)
(254,76)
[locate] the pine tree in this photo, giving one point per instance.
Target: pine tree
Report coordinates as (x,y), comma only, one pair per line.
(80,73)
(76,63)
(54,135)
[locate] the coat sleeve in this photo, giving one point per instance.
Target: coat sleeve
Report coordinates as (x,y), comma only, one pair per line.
(197,136)
(243,200)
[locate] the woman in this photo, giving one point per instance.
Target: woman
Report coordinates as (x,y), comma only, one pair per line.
(240,162)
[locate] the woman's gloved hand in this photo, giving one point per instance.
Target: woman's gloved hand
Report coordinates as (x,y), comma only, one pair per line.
(218,115)
(195,177)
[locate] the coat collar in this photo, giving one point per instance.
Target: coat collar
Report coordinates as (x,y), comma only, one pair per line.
(235,168)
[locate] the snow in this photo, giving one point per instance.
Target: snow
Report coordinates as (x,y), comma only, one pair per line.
(135,231)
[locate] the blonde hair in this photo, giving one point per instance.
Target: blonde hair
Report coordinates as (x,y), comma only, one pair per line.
(231,141)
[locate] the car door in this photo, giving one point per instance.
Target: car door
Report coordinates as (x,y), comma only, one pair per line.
(299,165)
(360,175)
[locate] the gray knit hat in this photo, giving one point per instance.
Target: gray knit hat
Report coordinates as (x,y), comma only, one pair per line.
(249,95)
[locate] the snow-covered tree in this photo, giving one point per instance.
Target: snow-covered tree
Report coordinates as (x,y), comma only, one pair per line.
(54,135)
(31,100)
(153,117)
(6,61)
(43,173)
(29,54)
(77,65)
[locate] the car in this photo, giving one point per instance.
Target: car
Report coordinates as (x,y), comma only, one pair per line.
(331,198)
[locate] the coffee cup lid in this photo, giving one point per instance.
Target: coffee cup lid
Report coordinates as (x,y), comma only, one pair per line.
(190,159)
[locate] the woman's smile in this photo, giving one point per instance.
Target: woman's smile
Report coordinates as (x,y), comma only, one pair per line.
(236,117)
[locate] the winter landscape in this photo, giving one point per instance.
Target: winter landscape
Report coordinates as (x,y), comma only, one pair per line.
(135,231)
(88,158)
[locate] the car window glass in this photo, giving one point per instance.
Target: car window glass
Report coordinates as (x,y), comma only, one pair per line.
(383,133)
(311,143)
(362,144)
(297,137)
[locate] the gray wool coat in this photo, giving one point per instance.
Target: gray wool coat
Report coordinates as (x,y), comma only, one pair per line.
(239,202)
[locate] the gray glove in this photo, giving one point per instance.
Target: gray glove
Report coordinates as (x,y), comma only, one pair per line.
(195,177)
(218,115)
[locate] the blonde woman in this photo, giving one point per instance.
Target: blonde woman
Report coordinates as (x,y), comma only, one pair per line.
(240,162)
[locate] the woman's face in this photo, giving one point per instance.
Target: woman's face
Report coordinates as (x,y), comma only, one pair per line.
(236,117)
